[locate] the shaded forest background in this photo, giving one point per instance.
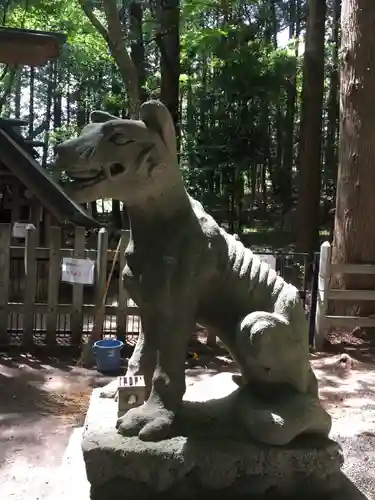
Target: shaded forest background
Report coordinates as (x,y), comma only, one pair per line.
(252,87)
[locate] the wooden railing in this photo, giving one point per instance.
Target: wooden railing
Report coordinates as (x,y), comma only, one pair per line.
(43,316)
(323,321)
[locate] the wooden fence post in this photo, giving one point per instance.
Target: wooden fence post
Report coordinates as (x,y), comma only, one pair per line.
(5,236)
(30,285)
(322,296)
(101,275)
(54,274)
(76,316)
(211,339)
(123,297)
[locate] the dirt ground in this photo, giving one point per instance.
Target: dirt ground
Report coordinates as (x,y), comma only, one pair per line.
(43,402)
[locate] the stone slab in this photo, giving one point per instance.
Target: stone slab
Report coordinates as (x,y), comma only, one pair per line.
(183,466)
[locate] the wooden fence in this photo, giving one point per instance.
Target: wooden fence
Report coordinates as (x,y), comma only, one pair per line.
(36,307)
(323,321)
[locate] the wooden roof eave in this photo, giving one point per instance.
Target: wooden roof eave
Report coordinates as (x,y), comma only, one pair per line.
(36,179)
(29,47)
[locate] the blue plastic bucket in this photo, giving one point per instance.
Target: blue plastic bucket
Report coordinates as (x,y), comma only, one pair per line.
(108,355)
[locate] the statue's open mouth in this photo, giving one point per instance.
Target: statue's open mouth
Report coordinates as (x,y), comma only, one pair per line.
(82,179)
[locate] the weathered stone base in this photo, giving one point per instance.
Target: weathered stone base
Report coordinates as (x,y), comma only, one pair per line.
(187,467)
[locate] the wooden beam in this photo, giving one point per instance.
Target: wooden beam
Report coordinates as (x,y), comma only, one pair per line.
(352,295)
(29,47)
(353,268)
(350,321)
(25,54)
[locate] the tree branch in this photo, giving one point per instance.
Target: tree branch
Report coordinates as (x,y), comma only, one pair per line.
(122,57)
(88,10)
(114,24)
(4,72)
(114,37)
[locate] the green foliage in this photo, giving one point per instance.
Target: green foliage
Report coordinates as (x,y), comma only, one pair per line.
(233,85)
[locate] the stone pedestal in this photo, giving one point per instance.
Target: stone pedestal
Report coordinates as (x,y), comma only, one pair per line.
(186,467)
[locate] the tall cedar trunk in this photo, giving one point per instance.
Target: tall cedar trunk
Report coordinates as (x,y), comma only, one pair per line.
(8,87)
(17,95)
(68,97)
(57,103)
(354,236)
(276,172)
(81,106)
(31,102)
(48,114)
(289,119)
(331,158)
(311,128)
(168,40)
(137,49)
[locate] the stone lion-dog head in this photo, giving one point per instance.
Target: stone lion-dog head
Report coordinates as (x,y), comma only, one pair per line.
(121,159)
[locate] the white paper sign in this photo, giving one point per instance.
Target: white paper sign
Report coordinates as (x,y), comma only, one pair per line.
(78,271)
(269,259)
(20,229)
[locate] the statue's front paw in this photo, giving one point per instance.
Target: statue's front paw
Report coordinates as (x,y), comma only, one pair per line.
(237,379)
(149,422)
(133,369)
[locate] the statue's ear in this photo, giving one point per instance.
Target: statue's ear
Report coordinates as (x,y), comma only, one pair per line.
(101,117)
(157,118)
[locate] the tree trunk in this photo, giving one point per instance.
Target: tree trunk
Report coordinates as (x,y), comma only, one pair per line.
(17,95)
(7,85)
(331,158)
(354,236)
(289,118)
(57,102)
(309,161)
(137,49)
(168,41)
(48,115)
(31,102)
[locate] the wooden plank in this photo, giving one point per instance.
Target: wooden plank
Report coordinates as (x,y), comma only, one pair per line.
(18,308)
(353,269)
(17,252)
(211,339)
(101,278)
(53,283)
(30,286)
(76,318)
(5,237)
(123,295)
(350,321)
(30,54)
(354,295)
(322,294)
(35,215)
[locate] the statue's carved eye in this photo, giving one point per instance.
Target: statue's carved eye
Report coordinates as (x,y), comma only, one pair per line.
(120,139)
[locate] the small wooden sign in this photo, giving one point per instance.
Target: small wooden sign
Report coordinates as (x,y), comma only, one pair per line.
(20,229)
(131,393)
(78,271)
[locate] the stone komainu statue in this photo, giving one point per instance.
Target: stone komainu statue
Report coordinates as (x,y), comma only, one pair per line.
(182,268)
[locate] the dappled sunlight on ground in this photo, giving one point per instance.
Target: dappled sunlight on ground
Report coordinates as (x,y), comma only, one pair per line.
(347,391)
(43,403)
(345,383)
